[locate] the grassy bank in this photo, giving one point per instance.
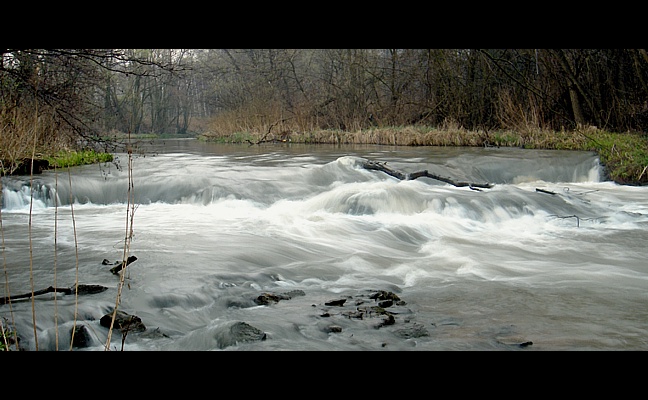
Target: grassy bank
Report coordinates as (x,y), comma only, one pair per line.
(624,155)
(60,159)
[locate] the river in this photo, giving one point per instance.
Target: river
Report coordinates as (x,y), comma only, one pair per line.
(551,257)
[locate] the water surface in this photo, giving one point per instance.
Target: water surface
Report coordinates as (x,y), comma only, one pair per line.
(215,226)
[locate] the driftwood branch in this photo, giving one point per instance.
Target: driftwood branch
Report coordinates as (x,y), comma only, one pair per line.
(545,191)
(263,138)
(117,269)
(79,289)
(578,219)
(377,166)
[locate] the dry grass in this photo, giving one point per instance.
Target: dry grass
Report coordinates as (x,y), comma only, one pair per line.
(24,134)
(450,134)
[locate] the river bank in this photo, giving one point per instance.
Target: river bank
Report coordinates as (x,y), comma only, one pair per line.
(624,156)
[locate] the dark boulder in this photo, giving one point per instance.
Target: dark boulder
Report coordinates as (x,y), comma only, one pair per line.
(338,302)
(124,322)
(82,337)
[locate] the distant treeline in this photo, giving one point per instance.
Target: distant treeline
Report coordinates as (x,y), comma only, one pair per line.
(58,96)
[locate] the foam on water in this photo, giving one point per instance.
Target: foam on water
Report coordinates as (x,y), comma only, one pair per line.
(213,232)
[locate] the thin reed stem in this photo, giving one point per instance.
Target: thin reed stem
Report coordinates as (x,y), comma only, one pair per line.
(31,245)
(56,330)
(130,212)
(76,255)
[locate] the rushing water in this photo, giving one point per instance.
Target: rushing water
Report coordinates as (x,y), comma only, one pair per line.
(551,257)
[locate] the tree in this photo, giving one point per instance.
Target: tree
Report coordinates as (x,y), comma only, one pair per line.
(60,98)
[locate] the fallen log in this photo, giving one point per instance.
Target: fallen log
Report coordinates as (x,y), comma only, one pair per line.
(545,191)
(78,289)
(115,270)
(377,166)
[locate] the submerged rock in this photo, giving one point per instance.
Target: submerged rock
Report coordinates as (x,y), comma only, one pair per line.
(268,298)
(237,332)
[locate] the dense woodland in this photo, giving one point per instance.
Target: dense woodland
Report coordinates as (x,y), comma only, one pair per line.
(67,97)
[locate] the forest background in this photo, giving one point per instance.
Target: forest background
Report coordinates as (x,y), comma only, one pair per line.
(58,101)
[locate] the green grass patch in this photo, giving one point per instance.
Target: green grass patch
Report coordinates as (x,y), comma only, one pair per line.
(64,159)
(625,155)
(506,139)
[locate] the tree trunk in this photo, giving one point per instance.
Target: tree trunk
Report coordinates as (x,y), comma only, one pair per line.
(576,105)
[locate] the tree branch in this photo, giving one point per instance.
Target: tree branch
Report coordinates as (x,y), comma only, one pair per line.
(80,289)
(373,165)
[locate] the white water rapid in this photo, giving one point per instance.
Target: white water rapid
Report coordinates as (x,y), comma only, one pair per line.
(552,257)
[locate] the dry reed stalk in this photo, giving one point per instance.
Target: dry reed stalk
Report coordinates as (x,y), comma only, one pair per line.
(642,173)
(130,213)
(56,256)
(31,245)
(76,256)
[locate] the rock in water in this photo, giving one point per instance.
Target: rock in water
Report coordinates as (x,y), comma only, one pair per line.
(238,332)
